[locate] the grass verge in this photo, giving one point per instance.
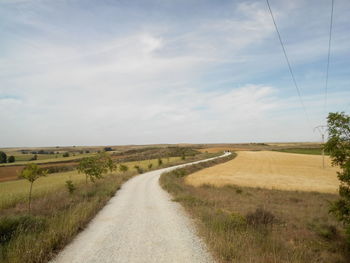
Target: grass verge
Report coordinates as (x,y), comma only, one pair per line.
(243,224)
(54,221)
(57,216)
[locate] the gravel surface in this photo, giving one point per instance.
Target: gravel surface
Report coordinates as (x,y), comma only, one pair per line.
(139,224)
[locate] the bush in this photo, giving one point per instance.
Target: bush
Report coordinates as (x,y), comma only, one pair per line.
(66,154)
(11,159)
(123,168)
(139,169)
(108,149)
(260,217)
(150,166)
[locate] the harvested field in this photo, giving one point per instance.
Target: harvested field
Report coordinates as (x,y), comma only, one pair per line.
(271,170)
(259,147)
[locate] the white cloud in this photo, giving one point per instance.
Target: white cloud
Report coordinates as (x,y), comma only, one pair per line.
(160,83)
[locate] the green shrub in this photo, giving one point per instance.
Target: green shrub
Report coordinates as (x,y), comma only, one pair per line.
(70,186)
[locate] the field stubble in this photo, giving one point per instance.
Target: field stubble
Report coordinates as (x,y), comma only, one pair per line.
(272,170)
(247,224)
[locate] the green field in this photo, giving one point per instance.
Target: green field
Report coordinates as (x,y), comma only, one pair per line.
(315,151)
(45,158)
(13,192)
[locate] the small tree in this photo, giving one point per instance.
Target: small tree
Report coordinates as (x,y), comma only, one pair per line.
(31,172)
(92,168)
(66,154)
(70,186)
(123,168)
(11,159)
(160,161)
(338,146)
(3,157)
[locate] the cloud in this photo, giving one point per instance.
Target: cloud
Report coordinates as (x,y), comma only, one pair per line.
(202,78)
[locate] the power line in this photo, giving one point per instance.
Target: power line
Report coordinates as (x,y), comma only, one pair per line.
(328,59)
(288,63)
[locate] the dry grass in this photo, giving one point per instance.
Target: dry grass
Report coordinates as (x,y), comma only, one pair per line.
(13,192)
(244,224)
(57,216)
(272,170)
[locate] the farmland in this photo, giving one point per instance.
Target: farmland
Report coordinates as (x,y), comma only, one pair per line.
(57,215)
(256,223)
(271,170)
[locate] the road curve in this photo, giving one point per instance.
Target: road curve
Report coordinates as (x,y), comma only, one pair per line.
(139,224)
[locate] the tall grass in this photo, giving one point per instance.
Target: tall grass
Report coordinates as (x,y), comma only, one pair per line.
(57,216)
(242,224)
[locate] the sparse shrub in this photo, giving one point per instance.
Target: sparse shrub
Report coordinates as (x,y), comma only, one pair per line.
(150,165)
(11,159)
(66,154)
(123,168)
(260,217)
(239,190)
(326,231)
(70,186)
(35,157)
(160,162)
(139,169)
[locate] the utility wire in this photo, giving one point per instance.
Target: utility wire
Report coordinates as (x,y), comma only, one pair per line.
(289,66)
(328,59)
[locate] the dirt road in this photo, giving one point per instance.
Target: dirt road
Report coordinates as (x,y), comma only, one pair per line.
(139,224)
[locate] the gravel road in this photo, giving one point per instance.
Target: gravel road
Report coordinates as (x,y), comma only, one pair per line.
(139,224)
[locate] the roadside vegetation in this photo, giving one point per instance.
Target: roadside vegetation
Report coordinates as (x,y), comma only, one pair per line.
(61,204)
(245,224)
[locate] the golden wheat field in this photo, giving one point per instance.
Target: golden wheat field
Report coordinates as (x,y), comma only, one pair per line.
(273,170)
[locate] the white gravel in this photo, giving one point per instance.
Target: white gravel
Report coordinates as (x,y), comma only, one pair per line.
(139,224)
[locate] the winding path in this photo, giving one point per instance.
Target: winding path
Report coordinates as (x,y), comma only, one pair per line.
(139,224)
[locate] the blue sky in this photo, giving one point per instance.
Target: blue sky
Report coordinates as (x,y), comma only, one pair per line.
(88,72)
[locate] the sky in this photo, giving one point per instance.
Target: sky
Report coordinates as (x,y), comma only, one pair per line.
(116,72)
